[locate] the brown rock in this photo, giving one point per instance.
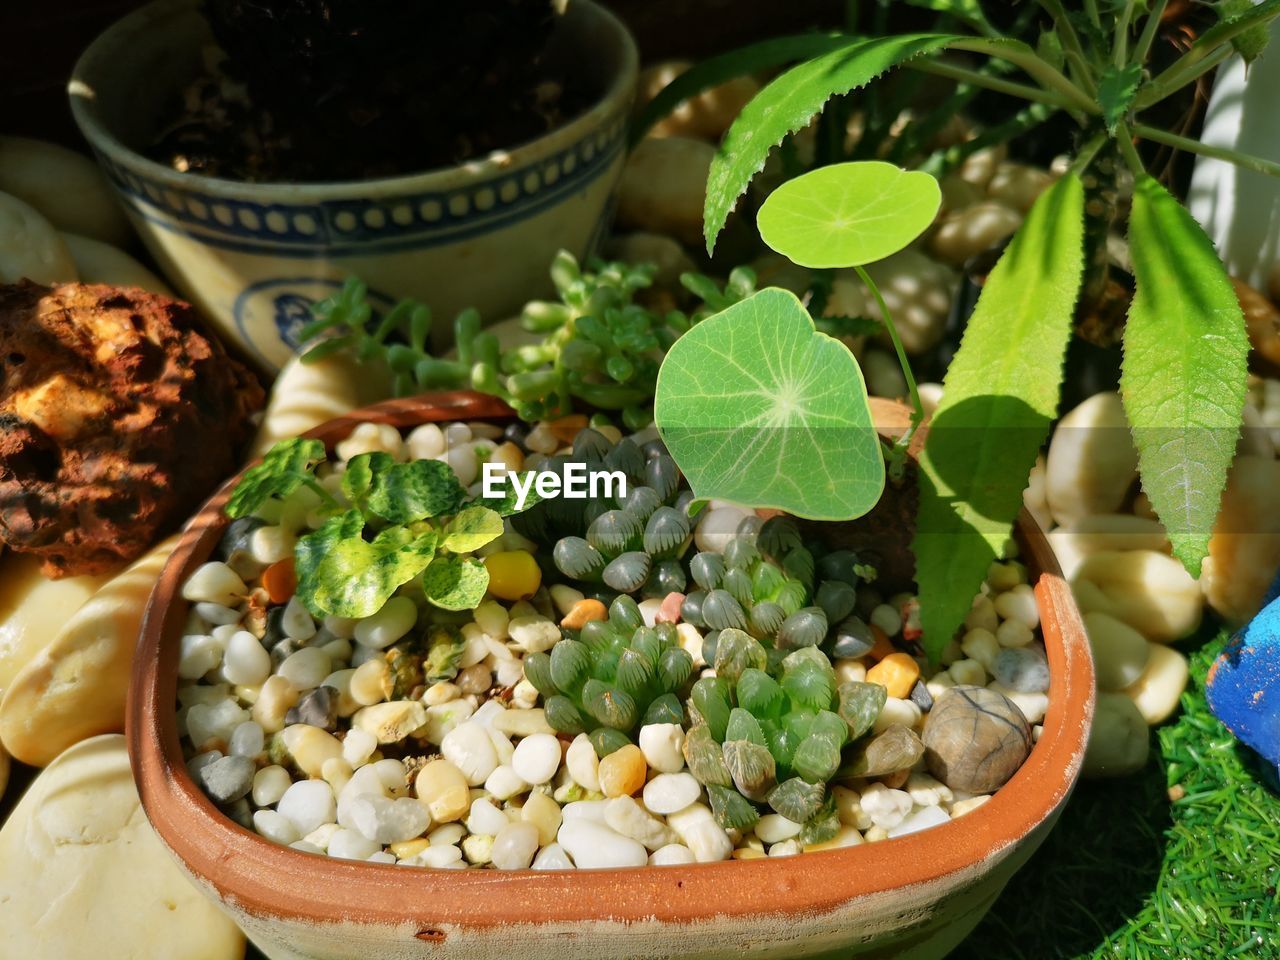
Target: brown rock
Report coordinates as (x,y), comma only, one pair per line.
(117,417)
(975,739)
(1262,320)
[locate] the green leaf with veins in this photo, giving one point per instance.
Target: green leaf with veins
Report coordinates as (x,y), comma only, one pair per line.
(1116,90)
(758,407)
(471,529)
(284,468)
(342,574)
(455,583)
(1185,368)
(405,492)
(788,103)
(358,478)
(1000,395)
(848,214)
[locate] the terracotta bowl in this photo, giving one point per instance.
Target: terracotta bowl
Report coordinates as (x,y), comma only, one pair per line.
(916,896)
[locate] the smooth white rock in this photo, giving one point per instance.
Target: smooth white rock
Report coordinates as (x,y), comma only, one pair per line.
(663,746)
(389,821)
(536,758)
(515,846)
(307,804)
(352,845)
(592,844)
(1151,592)
(485,818)
(469,748)
(670,792)
(1119,652)
(395,618)
(919,819)
(623,815)
(552,857)
(246,661)
(1092,462)
(673,854)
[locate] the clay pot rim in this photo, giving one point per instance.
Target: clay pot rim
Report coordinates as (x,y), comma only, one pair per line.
(270,880)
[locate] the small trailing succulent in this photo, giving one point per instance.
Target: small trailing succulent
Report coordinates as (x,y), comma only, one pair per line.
(395,522)
(612,676)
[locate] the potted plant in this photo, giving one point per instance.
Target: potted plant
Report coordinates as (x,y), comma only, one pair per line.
(358,162)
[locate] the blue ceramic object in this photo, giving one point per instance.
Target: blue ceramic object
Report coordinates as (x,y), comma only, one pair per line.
(1243,686)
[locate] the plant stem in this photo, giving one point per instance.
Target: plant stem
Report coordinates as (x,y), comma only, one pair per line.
(1035,66)
(1088,152)
(1165,86)
(917,414)
(1244,160)
(1070,42)
(1120,48)
(965,75)
(942,162)
(1091,7)
(1149,31)
(1124,140)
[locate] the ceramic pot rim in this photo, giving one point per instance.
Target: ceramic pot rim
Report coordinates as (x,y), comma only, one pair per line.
(100,58)
(268,880)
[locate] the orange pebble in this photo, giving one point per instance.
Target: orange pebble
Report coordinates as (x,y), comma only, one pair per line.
(897,673)
(583,612)
(882,647)
(566,428)
(280,580)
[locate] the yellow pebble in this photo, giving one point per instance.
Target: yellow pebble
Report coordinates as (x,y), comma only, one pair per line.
(897,673)
(622,772)
(748,853)
(543,813)
(583,612)
(513,574)
(443,788)
(409,848)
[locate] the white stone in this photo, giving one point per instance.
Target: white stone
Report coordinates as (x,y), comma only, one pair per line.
(585,810)
(197,655)
(307,804)
(469,748)
(716,527)
(1119,740)
(514,846)
(305,668)
(275,827)
(663,746)
(357,746)
(389,821)
(269,785)
(396,618)
(1151,592)
(701,834)
(919,819)
(625,816)
(552,857)
(536,758)
(214,582)
(897,712)
(1159,687)
(592,844)
(246,661)
(774,828)
(886,808)
(583,764)
(670,792)
(440,856)
(425,442)
(352,845)
(1119,652)
(296,621)
(504,783)
(247,740)
(534,634)
(1105,531)
(673,854)
(485,818)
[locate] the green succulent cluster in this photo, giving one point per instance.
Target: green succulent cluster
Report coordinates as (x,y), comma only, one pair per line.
(599,346)
(774,736)
(612,677)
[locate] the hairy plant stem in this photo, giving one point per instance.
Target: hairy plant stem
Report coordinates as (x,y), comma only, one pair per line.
(1101,200)
(1149,31)
(1243,160)
(1071,43)
(917,408)
(1036,67)
(1120,47)
(1012,88)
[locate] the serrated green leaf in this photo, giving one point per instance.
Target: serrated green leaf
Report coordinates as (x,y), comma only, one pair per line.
(860,705)
(788,103)
(1184,371)
(455,583)
(1252,42)
(284,468)
(823,825)
(999,397)
(1116,90)
(758,407)
(405,492)
(343,575)
(848,214)
(471,529)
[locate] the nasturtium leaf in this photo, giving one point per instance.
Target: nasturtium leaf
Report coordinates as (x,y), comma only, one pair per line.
(1116,90)
(343,575)
(284,468)
(848,214)
(455,583)
(999,397)
(471,529)
(358,478)
(1185,367)
(759,408)
(405,492)
(788,103)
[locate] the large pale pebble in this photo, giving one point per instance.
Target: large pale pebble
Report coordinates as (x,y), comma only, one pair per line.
(1092,462)
(443,788)
(1157,691)
(30,247)
(515,846)
(592,844)
(310,747)
(670,792)
(308,804)
(698,829)
(918,291)
(716,527)
(1151,592)
(707,115)
(628,818)
(98,262)
(65,186)
(33,609)
(536,758)
(663,746)
(76,686)
(86,878)
(1104,531)
(583,763)
(469,748)
(672,855)
(663,185)
(552,857)
(973,230)
(391,722)
(1244,552)
(1119,652)
(1119,740)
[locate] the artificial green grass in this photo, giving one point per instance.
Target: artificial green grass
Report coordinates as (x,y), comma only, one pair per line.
(1129,873)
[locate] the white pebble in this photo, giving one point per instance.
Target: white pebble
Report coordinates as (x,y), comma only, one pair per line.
(670,792)
(269,785)
(396,618)
(246,661)
(583,764)
(786,848)
(1014,633)
(592,844)
(296,621)
(389,821)
(514,846)
(462,461)
(469,748)
(352,845)
(216,614)
(371,438)
(673,854)
(440,856)
(968,672)
(774,828)
(649,610)
(701,834)
(447,835)
(564,598)
(1019,603)
(886,808)
(887,618)
(533,634)
(920,819)
(981,645)
(425,442)
(307,804)
(485,818)
(552,857)
(584,810)
(276,827)
(357,746)
(536,758)
(247,740)
(662,745)
(717,527)
(214,582)
(897,712)
(305,668)
(197,655)
(623,815)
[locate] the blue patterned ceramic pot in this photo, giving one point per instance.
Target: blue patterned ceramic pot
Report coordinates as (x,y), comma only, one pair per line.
(255,256)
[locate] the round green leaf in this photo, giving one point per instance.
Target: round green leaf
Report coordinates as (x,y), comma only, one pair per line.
(848,214)
(758,407)
(455,583)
